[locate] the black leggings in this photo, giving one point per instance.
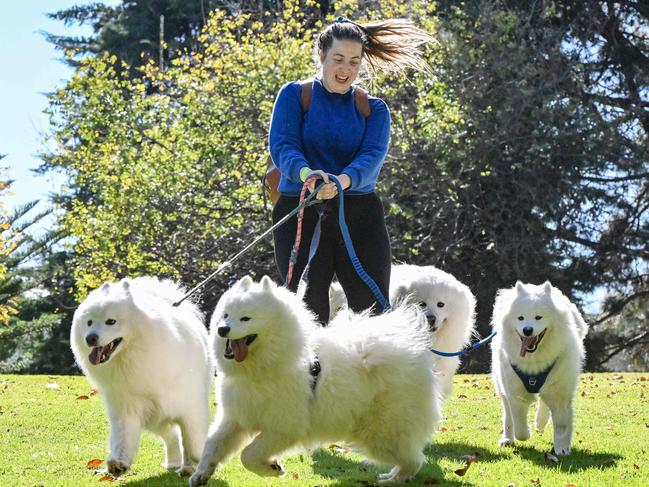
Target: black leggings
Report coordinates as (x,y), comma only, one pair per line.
(364,217)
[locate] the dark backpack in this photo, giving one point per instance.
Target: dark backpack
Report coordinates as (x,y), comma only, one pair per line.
(271,179)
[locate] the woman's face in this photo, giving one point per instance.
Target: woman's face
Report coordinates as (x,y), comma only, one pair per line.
(340,65)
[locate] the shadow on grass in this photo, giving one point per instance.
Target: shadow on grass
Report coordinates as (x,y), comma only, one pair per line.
(172,479)
(577,460)
(347,472)
(455,451)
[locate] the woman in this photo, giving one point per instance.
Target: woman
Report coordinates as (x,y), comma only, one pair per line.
(333,136)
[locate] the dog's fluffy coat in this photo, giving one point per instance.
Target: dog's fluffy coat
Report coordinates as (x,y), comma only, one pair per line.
(376,390)
(150,363)
(537,326)
(449,306)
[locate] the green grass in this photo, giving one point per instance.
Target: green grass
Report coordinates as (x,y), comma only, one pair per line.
(47,436)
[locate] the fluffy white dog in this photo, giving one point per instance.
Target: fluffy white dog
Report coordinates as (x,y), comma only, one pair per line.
(284,382)
(538,350)
(150,362)
(448,304)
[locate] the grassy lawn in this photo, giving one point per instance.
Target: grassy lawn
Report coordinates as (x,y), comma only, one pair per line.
(48,435)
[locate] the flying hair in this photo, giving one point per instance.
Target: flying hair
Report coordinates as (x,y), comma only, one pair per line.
(391,46)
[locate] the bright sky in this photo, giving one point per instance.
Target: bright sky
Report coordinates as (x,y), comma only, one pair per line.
(30,68)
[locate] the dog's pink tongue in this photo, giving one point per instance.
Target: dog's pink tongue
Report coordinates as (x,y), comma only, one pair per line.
(239,348)
(527,342)
(95,355)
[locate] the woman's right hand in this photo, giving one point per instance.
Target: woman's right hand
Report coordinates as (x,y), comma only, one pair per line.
(328,190)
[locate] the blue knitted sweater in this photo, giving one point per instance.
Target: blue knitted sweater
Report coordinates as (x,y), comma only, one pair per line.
(332,135)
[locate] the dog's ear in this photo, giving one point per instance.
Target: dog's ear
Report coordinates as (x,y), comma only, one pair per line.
(267,283)
(244,283)
(520,287)
(105,287)
(547,287)
(126,286)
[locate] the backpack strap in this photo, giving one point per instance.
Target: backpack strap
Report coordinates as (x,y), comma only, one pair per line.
(306,94)
(362,101)
(360,95)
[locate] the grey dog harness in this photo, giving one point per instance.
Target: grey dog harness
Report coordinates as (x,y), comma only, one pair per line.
(533,382)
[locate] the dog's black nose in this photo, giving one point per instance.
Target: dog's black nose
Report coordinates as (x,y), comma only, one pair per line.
(223,331)
(431,322)
(527,331)
(92,339)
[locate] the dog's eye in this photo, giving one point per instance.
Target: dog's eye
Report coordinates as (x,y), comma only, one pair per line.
(538,317)
(440,304)
(110,321)
(520,318)
(225,315)
(422,304)
(89,322)
(245,318)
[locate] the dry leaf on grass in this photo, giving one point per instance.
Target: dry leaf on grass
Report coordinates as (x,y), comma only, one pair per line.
(295,476)
(469,459)
(108,478)
(93,393)
(536,481)
(94,463)
(338,449)
(82,398)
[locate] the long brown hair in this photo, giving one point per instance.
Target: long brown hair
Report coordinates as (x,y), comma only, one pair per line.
(391,45)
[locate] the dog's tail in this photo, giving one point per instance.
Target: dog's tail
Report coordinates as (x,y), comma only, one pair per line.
(398,335)
(542,416)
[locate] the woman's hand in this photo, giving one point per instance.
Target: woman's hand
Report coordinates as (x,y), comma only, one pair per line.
(328,190)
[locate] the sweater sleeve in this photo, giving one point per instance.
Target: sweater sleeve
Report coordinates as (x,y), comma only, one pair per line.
(365,167)
(285,139)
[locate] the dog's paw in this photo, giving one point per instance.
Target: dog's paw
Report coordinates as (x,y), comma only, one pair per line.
(185,470)
(116,467)
(561,450)
(276,470)
(505,442)
(199,478)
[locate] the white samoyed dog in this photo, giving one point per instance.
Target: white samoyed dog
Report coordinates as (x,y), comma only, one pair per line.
(283,383)
(151,364)
(538,349)
(449,306)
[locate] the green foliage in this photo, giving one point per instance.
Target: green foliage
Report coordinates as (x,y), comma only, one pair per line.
(165,168)
(41,419)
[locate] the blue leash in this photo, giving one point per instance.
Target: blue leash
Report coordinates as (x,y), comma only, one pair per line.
(478,344)
(365,276)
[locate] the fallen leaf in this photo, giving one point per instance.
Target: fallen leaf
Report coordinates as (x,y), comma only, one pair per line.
(570,485)
(536,481)
(93,393)
(636,466)
(643,378)
(107,478)
(81,398)
(94,463)
(618,377)
(461,396)
(469,459)
(444,429)
(295,476)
